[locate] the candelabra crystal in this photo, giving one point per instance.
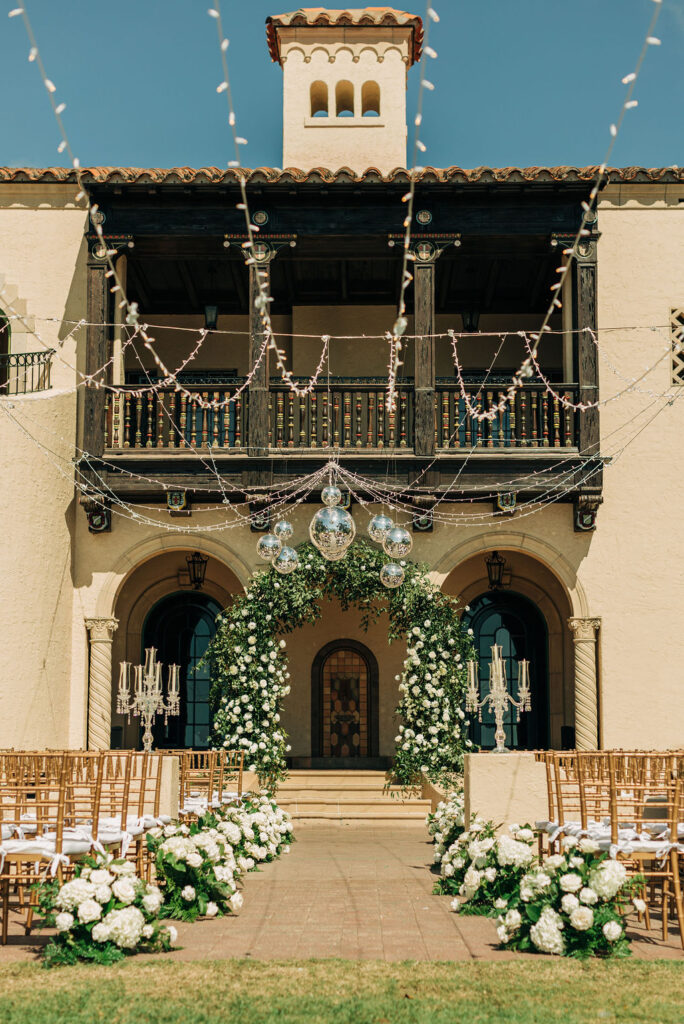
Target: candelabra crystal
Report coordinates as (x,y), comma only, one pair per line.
(498,698)
(147,699)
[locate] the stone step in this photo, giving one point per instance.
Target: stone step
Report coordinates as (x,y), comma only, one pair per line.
(359,806)
(380,815)
(333,785)
(341,793)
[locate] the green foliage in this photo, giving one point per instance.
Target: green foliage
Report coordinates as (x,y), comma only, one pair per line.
(249,667)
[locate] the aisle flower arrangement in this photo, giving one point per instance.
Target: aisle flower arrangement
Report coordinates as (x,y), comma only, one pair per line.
(573,905)
(483,869)
(199,864)
(102,915)
(197,871)
(446,823)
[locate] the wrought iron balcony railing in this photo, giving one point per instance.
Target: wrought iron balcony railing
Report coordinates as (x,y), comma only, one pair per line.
(22,373)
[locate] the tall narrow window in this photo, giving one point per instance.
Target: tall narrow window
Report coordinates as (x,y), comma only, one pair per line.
(677,333)
(319,99)
(344,99)
(370,99)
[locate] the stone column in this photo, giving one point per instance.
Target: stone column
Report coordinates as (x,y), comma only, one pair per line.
(100,633)
(584,635)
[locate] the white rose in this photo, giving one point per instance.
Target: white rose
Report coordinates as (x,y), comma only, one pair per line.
(569,902)
(188,893)
(63,922)
(513,920)
(173,933)
(212,910)
(570,882)
(235,901)
(89,910)
(612,931)
(101,877)
(152,902)
(194,860)
(124,890)
(639,905)
(587,895)
(582,918)
(103,893)
(148,931)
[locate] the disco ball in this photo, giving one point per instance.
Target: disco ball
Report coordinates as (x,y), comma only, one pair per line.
(286,562)
(268,547)
(398,542)
(331,495)
(332,529)
(334,556)
(391,576)
(379,527)
(283,530)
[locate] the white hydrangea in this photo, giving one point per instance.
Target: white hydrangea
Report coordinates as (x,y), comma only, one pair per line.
(124,890)
(569,902)
(64,921)
(100,932)
(513,920)
(125,926)
(72,894)
(188,893)
(152,902)
(588,895)
(546,935)
(511,852)
(570,882)
(607,879)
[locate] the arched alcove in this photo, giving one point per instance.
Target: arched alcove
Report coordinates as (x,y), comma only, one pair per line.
(344,99)
(319,99)
(146,587)
(532,579)
(370,99)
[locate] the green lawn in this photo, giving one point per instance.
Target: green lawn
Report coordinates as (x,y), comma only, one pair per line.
(323,992)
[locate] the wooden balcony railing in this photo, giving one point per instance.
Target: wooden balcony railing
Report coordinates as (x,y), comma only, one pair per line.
(170,419)
(345,415)
(534,419)
(349,416)
(22,373)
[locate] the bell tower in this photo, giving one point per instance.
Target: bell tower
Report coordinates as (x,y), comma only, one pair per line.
(344,85)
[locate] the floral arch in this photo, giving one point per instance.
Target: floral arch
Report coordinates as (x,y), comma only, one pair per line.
(250,675)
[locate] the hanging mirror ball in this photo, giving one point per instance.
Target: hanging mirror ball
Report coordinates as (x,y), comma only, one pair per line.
(331,495)
(283,530)
(398,542)
(268,547)
(286,562)
(334,556)
(379,527)
(332,529)
(391,576)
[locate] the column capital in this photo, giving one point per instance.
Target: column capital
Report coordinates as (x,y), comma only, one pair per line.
(101,630)
(584,629)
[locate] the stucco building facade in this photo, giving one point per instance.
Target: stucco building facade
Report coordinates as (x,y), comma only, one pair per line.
(584,506)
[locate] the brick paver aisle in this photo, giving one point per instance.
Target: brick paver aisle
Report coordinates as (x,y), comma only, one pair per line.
(358,892)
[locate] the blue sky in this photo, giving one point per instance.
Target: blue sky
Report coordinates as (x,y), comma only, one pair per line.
(518,82)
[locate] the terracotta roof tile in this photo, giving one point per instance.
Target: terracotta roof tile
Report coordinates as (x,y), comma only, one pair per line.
(323,175)
(310,17)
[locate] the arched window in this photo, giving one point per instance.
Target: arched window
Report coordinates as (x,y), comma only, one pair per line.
(344,99)
(319,99)
(4,351)
(370,99)
(344,702)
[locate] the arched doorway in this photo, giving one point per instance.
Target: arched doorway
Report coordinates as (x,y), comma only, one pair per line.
(181,626)
(344,705)
(518,626)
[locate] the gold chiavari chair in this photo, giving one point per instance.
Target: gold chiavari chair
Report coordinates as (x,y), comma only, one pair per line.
(197,778)
(651,809)
(233,766)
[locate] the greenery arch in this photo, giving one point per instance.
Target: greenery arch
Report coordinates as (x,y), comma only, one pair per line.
(249,664)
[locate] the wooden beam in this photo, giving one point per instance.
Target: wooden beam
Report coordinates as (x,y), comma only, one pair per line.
(257,438)
(585,284)
(97,295)
(424,310)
